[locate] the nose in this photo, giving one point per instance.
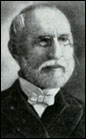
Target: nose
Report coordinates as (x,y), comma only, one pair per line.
(55,50)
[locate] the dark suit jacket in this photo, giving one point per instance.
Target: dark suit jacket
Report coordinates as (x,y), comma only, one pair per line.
(65,119)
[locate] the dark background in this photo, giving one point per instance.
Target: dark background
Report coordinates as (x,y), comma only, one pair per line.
(75,11)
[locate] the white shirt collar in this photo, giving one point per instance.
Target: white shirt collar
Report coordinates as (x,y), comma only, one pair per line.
(28,88)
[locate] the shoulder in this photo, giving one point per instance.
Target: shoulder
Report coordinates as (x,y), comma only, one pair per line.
(6,100)
(7,93)
(76,109)
(72,100)
(8,96)
(75,103)
(5,124)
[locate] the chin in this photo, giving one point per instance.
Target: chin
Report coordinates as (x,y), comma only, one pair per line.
(56,81)
(48,82)
(55,84)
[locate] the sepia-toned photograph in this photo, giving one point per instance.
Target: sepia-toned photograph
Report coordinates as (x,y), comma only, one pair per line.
(42,69)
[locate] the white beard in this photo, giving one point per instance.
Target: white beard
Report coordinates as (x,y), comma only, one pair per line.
(51,79)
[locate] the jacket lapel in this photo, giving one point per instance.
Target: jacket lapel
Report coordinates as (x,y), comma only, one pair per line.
(64,118)
(22,115)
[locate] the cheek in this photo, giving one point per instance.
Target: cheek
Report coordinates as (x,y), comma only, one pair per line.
(35,52)
(38,51)
(36,56)
(68,52)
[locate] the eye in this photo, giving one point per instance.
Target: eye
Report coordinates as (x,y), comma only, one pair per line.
(64,40)
(44,41)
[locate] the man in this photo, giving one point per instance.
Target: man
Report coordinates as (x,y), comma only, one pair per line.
(37,106)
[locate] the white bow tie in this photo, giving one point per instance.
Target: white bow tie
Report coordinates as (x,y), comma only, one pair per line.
(47,99)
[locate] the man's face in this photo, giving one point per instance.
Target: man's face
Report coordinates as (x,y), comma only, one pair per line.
(48,60)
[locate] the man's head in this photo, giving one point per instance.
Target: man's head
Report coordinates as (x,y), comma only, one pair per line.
(41,42)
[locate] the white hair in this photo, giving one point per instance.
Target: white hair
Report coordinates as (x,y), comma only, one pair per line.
(18,27)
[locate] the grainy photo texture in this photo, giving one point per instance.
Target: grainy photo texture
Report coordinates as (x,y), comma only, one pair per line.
(42,69)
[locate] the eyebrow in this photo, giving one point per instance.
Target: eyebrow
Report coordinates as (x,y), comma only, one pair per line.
(45,36)
(48,36)
(65,35)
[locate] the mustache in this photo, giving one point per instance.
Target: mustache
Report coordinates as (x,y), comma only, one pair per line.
(52,64)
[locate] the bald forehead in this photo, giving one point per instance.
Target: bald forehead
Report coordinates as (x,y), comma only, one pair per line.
(48,21)
(40,20)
